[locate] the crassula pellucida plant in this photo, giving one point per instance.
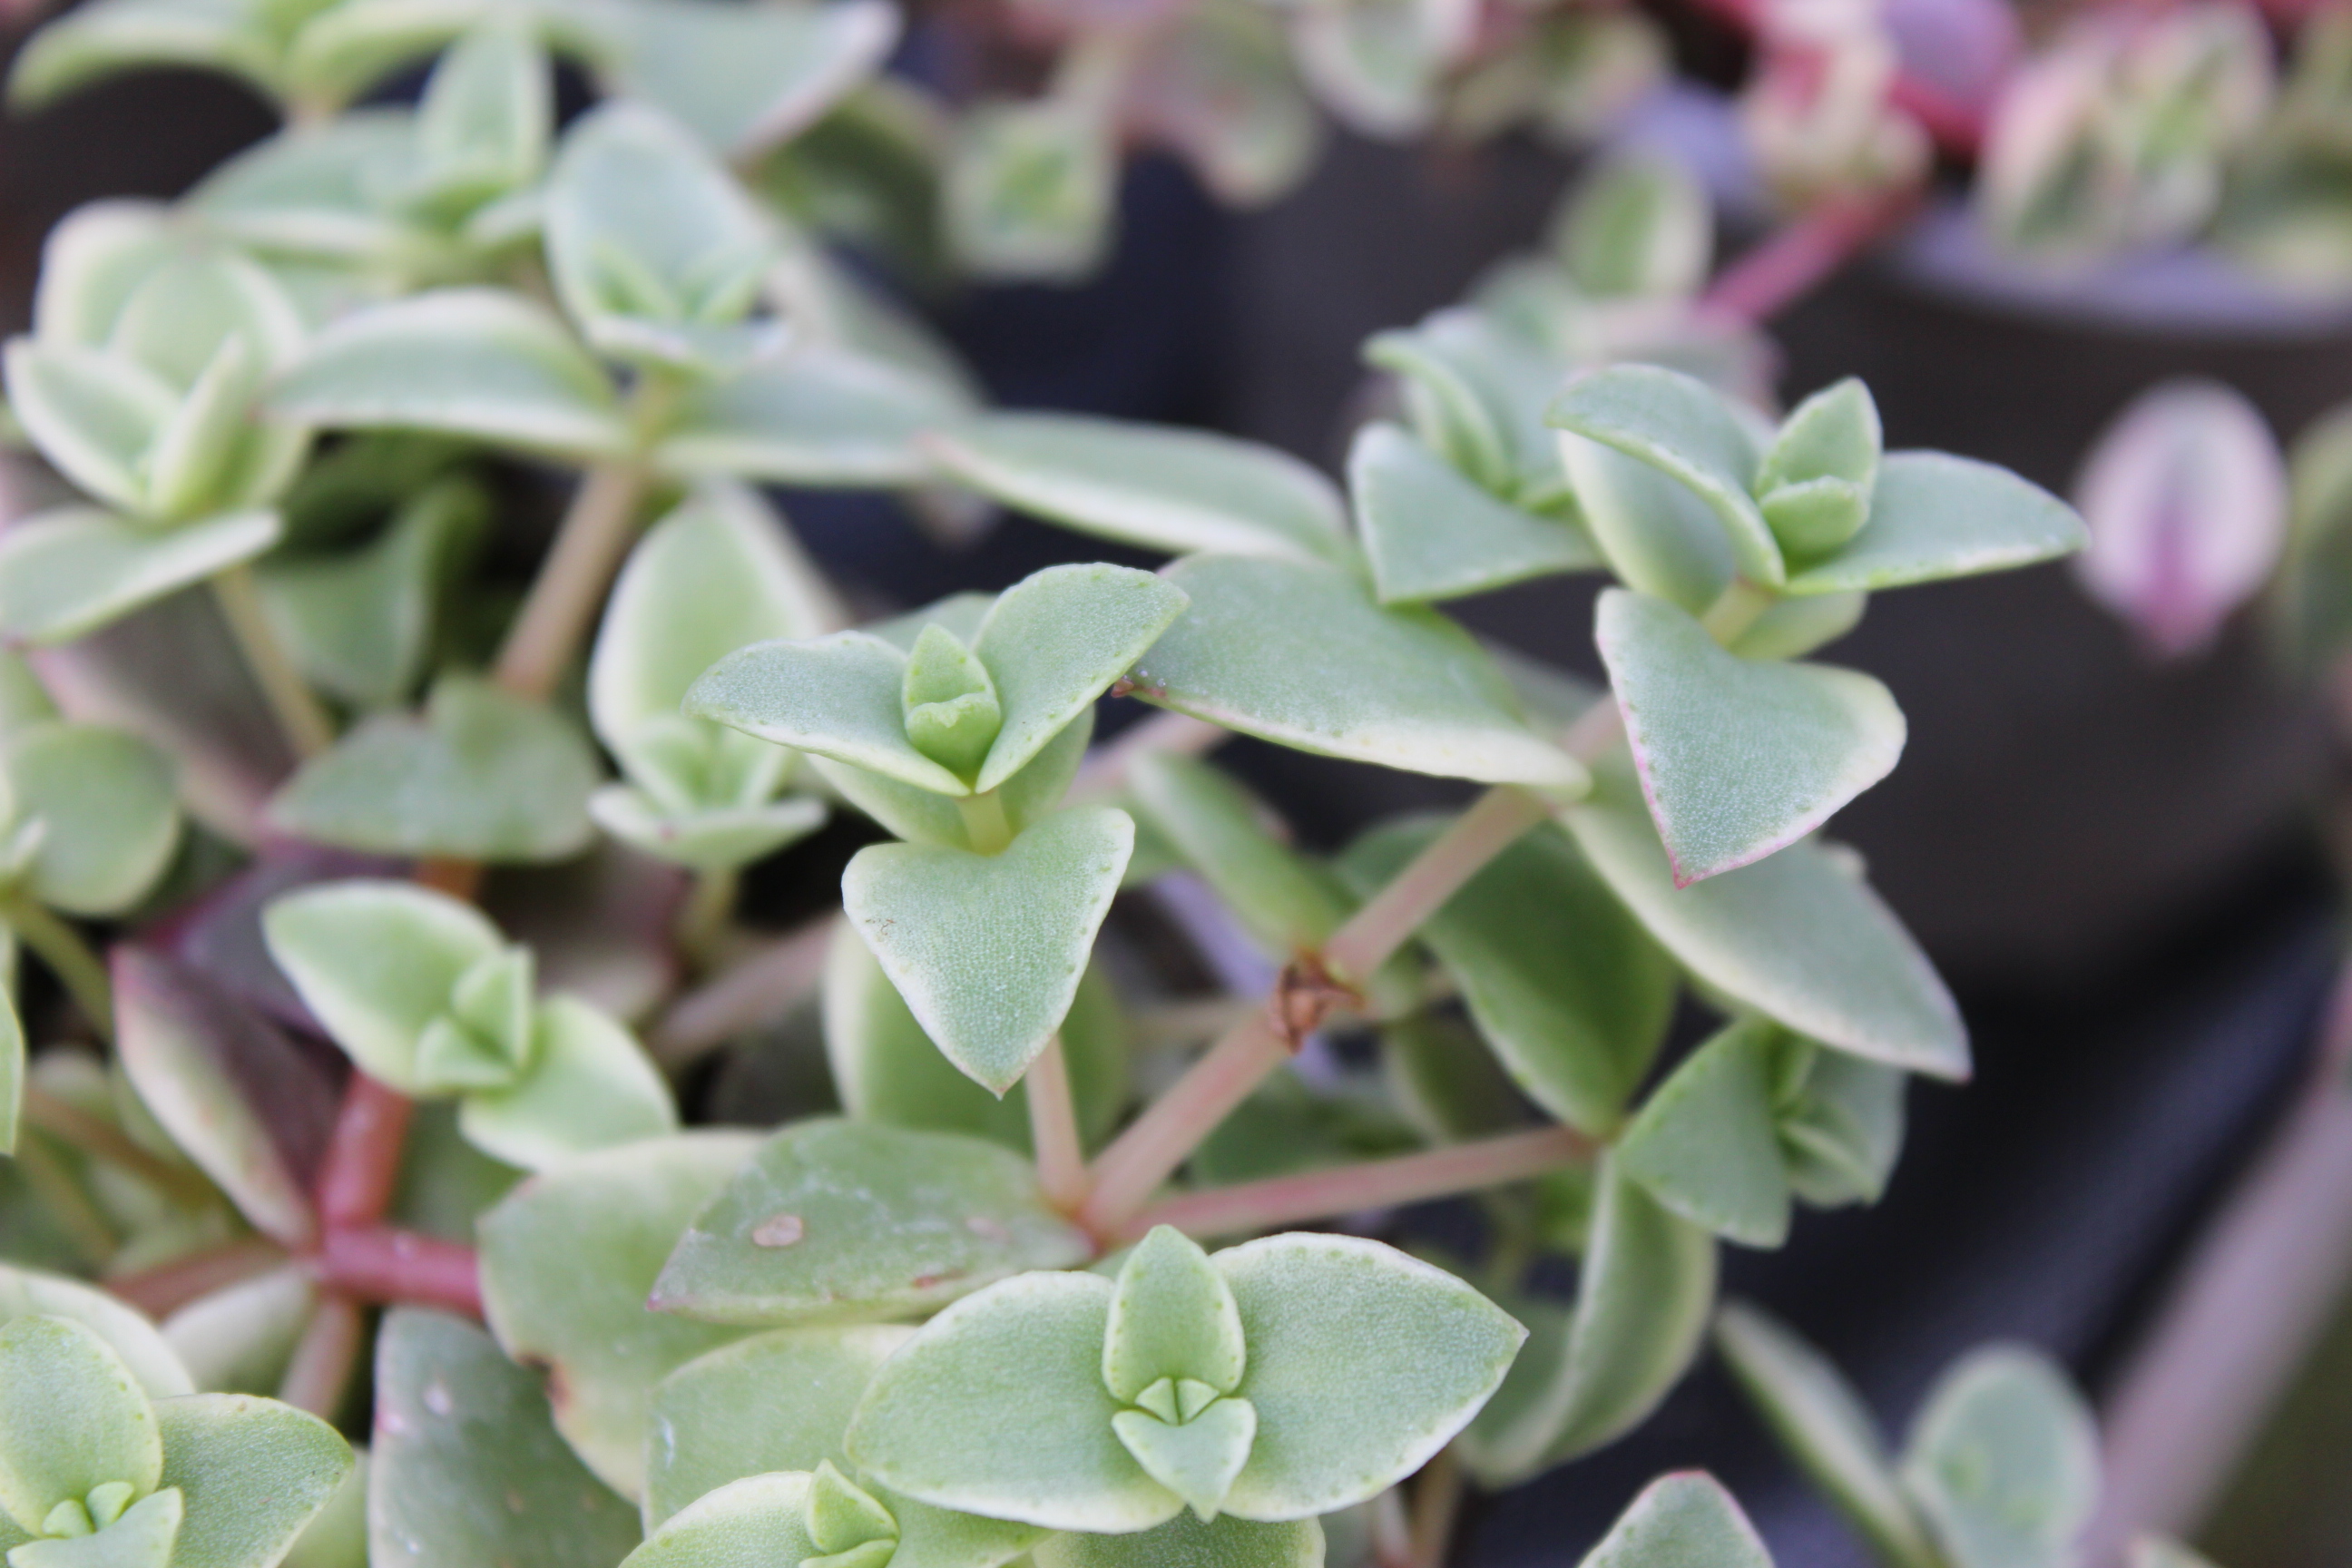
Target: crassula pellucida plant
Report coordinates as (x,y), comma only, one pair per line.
(387,907)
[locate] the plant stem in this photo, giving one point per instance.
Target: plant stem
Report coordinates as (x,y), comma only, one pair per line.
(1800,256)
(362,1165)
(1392,1533)
(1435,875)
(102,1139)
(91,1233)
(80,970)
(321,1371)
(1171,1127)
(1436,1505)
(1375,1184)
(164,1290)
(984,822)
(458,879)
(1735,610)
(300,716)
(1053,1129)
(766,983)
(381,1264)
(709,904)
(589,545)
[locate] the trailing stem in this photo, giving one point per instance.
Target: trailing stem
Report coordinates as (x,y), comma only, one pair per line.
(1800,256)
(589,545)
(301,718)
(1053,1129)
(702,919)
(80,970)
(362,1165)
(385,1266)
(164,1290)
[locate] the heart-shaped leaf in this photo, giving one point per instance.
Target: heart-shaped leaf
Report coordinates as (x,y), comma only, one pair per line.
(749,1523)
(1185,1542)
(1197,1460)
(2003,1460)
(1431,533)
(29,1292)
(567,1260)
(109,821)
(1738,759)
(818,416)
(1685,1520)
(838,696)
(848,1222)
(1587,1377)
(744,80)
(1150,485)
(1054,641)
(1704,1144)
(1934,516)
(469,362)
(1797,936)
(588,1087)
(1826,1429)
(141,1537)
(466,1465)
(484,776)
(1301,655)
(988,949)
(72,1417)
(66,574)
(253,1472)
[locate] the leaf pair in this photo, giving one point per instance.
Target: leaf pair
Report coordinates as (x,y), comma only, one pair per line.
(424,995)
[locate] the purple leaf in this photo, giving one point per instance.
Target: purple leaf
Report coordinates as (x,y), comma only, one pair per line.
(220,934)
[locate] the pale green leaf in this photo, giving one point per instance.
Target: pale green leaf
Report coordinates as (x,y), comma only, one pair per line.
(96,256)
(849,1221)
(316,191)
(1585,1378)
(94,416)
(377,962)
(350,45)
(819,416)
(468,362)
(1431,533)
(483,122)
(1196,1459)
(1056,641)
(72,1417)
(837,696)
(240,1338)
(30,1292)
(1792,628)
(756,1522)
(1286,902)
(921,816)
(141,1537)
(1659,537)
(719,839)
(1301,655)
(1843,1130)
(1824,1426)
(988,949)
(747,78)
(1475,392)
(568,1259)
(104,39)
(110,819)
(1444,1082)
(2003,1460)
(1797,936)
(1639,224)
(1030,189)
(254,1473)
(64,574)
(1703,1143)
(1814,480)
(483,775)
(1023,1356)
(588,1087)
(466,1466)
(1172,1317)
(1184,1541)
(1934,516)
(1154,486)
(336,1535)
(1681,427)
(1685,1520)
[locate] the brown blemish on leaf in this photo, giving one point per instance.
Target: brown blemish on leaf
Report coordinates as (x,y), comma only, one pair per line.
(1305,995)
(778,1230)
(925,1281)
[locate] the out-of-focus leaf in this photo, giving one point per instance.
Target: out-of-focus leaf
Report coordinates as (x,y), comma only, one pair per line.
(1218,87)
(601,925)
(745,78)
(1638,226)
(336,1535)
(1659,536)
(98,40)
(588,1087)
(1704,1144)
(1227,1541)
(1933,516)
(66,574)
(1287,904)
(109,824)
(2003,1460)
(29,1292)
(12,1066)
(818,416)
(238,1338)
(1431,533)
(1029,189)
(1685,1520)
(72,1417)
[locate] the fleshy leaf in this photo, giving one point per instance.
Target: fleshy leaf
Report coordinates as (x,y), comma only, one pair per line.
(466,1465)
(1659,537)
(1149,485)
(469,362)
(953,714)
(1286,901)
(1843,1129)
(1055,640)
(1587,1377)
(97,41)
(588,1087)
(756,1522)
(837,696)
(819,416)
(254,1473)
(1703,1143)
(1341,1418)
(1029,191)
(988,949)
(1814,481)
(1934,516)
(1822,1424)
(1738,759)
(240,1338)
(719,839)
(745,80)
(1638,225)
(141,1537)
(1023,1355)
(1685,1520)
(72,1417)
(66,574)
(109,819)
(29,1292)
(1679,425)
(1173,1317)
(484,776)
(844,1222)
(1431,533)
(1301,655)
(1197,1459)
(1185,1542)
(1796,936)
(921,816)
(2004,1461)
(567,1260)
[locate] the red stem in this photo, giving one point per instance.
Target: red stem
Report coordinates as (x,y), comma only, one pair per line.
(1796,258)
(381,1264)
(1956,127)
(363,1158)
(164,1290)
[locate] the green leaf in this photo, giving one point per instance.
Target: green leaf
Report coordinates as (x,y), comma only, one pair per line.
(94,416)
(1815,480)
(1431,533)
(1797,936)
(1640,226)
(819,416)
(1172,1317)
(1286,902)
(67,573)
(1933,516)
(2003,1460)
(110,819)
(1704,1144)
(924,817)
(99,40)
(1023,1356)
(886,1069)
(952,713)
(847,1222)
(655,253)
(1149,485)
(588,1087)
(1738,759)
(336,1536)
(838,696)
(1030,189)
(1443,1082)
(1563,983)
(1681,427)
(1822,1424)
(1055,640)
(30,1292)
(1685,1520)
(141,1537)
(72,1417)
(747,78)
(240,1338)
(567,1260)
(1185,1542)
(755,1522)
(12,1069)
(1659,537)
(1196,1459)
(1589,1377)
(483,122)
(253,1473)
(483,775)
(320,192)
(468,362)
(350,45)
(377,963)
(719,839)
(988,949)
(1477,392)
(1842,1130)
(1301,655)
(466,1466)
(1790,628)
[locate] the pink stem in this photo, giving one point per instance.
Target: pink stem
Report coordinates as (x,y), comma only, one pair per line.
(164,1290)
(1126,1173)
(1435,875)
(1053,1129)
(764,984)
(1798,257)
(1957,128)
(381,1264)
(363,1157)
